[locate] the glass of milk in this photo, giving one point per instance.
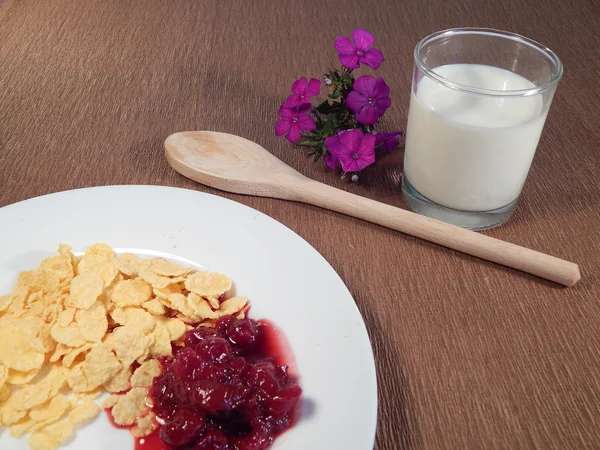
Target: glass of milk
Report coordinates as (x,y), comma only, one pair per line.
(478,104)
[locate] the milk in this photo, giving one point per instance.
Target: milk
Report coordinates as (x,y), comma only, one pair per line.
(471,152)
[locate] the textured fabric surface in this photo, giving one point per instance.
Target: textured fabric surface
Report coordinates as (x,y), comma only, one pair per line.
(469,355)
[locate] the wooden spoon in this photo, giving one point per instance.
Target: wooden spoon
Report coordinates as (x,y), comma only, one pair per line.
(234,164)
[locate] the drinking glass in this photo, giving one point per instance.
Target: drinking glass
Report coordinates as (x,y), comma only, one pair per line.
(478,105)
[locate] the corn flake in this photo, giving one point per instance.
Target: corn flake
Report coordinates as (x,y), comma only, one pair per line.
(131,292)
(130,406)
(209,284)
(85,289)
(51,437)
(143,375)
(83,413)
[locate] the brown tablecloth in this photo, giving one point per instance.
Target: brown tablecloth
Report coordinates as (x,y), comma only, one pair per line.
(469,355)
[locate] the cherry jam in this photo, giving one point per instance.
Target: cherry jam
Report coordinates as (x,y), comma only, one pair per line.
(228,389)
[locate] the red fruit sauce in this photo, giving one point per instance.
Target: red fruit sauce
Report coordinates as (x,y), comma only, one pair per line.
(232,387)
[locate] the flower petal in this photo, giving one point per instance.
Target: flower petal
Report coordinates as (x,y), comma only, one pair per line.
(314,88)
(302,109)
(347,162)
(381,104)
(306,123)
(363,40)
(367,115)
(282,126)
(331,161)
(355,101)
(333,145)
(299,86)
(372,58)
(365,85)
(349,61)
(381,89)
(352,140)
(294,133)
(343,45)
(293,100)
(286,112)
(367,148)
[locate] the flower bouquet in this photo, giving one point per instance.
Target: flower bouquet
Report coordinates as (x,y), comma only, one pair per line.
(341,130)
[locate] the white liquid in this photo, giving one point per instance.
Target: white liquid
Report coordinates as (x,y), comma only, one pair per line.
(471,152)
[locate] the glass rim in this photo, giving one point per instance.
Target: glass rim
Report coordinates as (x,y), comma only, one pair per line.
(499,34)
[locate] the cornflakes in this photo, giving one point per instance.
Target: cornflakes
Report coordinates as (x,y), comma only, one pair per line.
(130,406)
(208,284)
(86,324)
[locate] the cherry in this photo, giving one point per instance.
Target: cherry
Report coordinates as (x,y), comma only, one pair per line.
(215,397)
(184,427)
(214,348)
(212,440)
(243,333)
(193,337)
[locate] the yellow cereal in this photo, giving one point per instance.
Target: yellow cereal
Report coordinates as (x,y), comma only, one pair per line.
(130,406)
(82,323)
(4,394)
(131,265)
(85,290)
(5,302)
(144,374)
(129,345)
(59,352)
(208,284)
(175,327)
(61,264)
(167,268)
(83,413)
(120,382)
(232,306)
(132,292)
(161,345)
(51,437)
(100,365)
(155,280)
(92,322)
(9,415)
(109,401)
(54,408)
(65,317)
(101,265)
(16,351)
(16,378)
(200,307)
(70,336)
(137,318)
(154,307)
(72,356)
(21,427)
(100,249)
(35,394)
(3,375)
(144,426)
(163,293)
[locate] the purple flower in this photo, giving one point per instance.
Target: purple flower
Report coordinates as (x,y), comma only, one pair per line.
(369,99)
(294,121)
(303,90)
(353,149)
(387,141)
(351,55)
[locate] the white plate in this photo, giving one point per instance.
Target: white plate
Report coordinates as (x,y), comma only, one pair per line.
(286,280)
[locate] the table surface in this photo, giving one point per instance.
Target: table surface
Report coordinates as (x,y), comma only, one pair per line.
(469,355)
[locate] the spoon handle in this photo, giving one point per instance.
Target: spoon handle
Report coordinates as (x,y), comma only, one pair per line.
(460,239)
